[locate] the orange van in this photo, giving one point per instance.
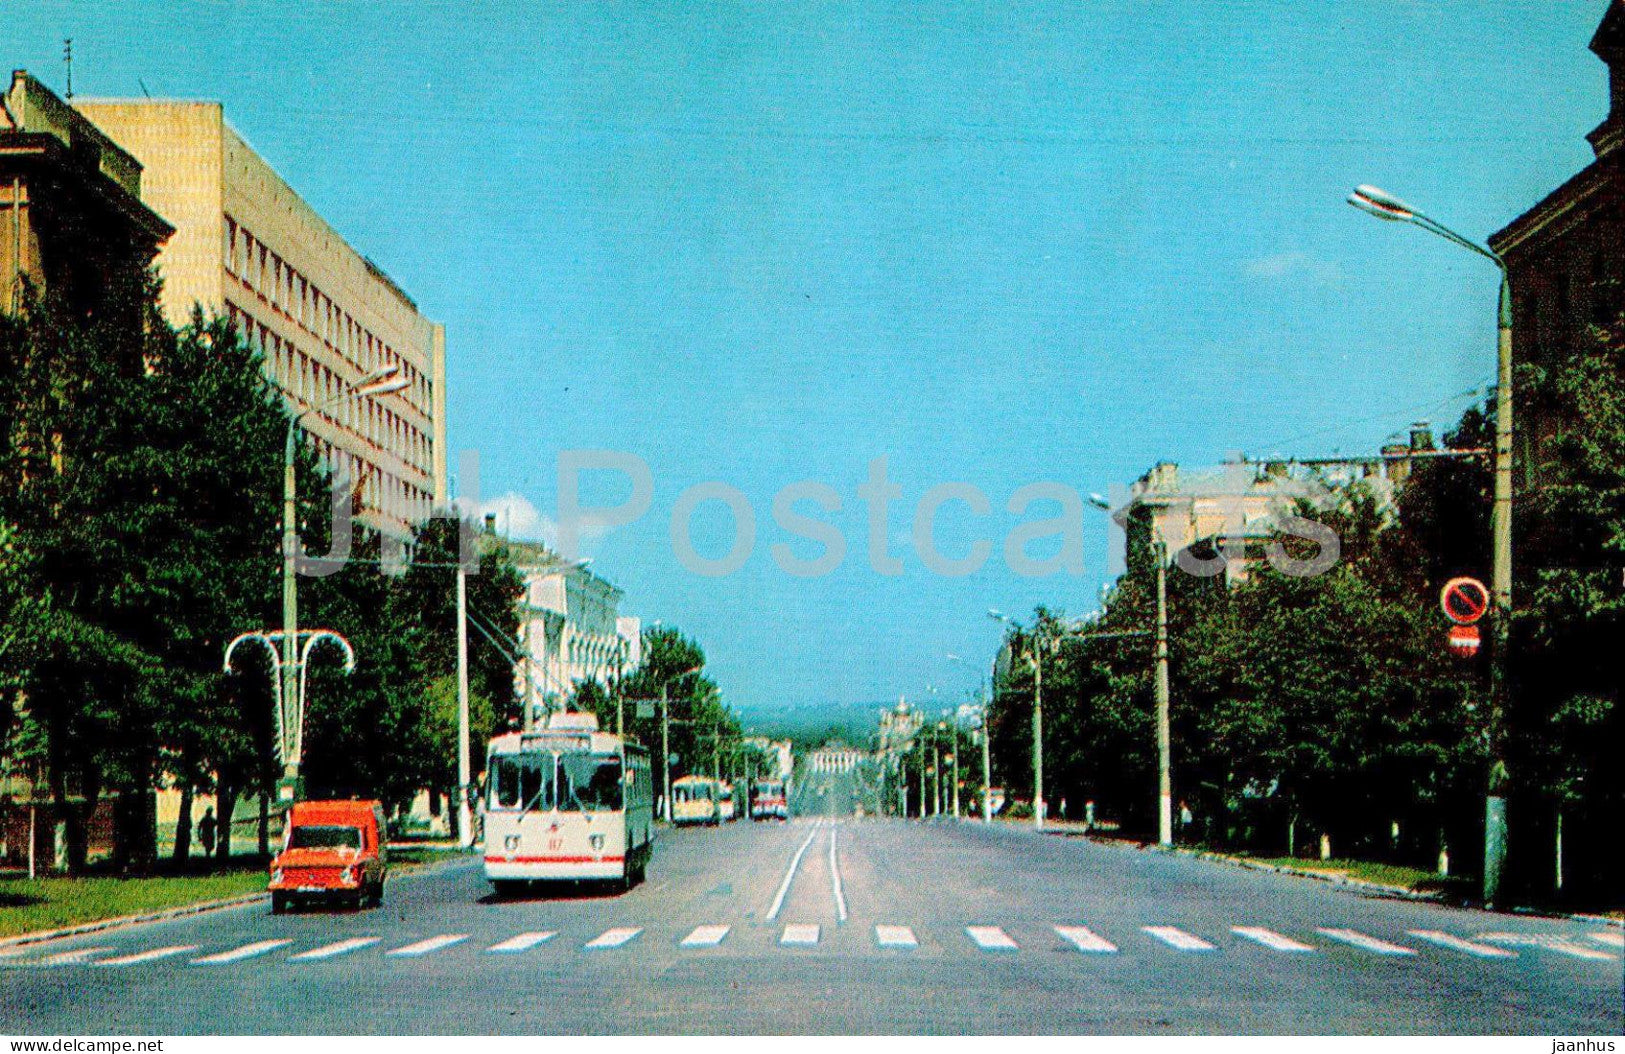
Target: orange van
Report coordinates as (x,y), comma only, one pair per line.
(331,851)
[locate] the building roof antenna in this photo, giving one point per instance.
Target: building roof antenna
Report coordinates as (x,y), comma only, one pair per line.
(67,60)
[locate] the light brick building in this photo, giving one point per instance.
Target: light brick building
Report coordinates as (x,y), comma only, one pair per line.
(246,245)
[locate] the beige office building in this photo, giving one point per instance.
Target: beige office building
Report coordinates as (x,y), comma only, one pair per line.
(323,315)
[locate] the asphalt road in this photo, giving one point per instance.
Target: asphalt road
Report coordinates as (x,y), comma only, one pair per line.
(970,944)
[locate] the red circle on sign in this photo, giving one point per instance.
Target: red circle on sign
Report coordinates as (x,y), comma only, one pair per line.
(1464,600)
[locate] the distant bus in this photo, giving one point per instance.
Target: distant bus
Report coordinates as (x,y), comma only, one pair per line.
(727,809)
(565,802)
(768,801)
(695,799)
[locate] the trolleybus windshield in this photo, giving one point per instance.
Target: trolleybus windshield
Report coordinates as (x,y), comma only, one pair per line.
(522,781)
(589,783)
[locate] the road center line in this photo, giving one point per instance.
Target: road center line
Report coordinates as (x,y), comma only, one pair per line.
(835,878)
(1616,940)
(789,876)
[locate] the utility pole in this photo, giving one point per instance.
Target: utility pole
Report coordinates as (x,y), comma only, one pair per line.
(665,752)
(956,768)
(987,766)
(1165,793)
(1038,739)
(465,819)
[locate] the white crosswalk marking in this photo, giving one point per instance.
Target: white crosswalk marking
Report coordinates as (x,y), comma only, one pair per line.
(614,938)
(1270,939)
(73,957)
(895,937)
(425,947)
(799,934)
(1178,938)
(991,939)
(331,951)
(1086,939)
(149,956)
(705,937)
(1550,942)
(1608,937)
(1368,942)
(523,942)
(1580,951)
(247,951)
(1454,943)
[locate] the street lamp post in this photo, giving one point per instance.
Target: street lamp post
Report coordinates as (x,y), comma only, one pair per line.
(379,382)
(1036,660)
(1385,206)
(665,739)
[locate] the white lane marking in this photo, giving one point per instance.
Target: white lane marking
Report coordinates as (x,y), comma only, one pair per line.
(1608,937)
(1366,941)
(1178,938)
(704,937)
(329,951)
(247,951)
(523,942)
(614,938)
(1454,943)
(789,876)
(425,947)
(991,939)
(895,937)
(149,956)
(1086,939)
(72,958)
(1270,939)
(1549,942)
(835,878)
(800,934)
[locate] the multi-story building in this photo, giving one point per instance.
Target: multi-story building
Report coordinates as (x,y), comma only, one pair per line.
(570,628)
(1565,256)
(323,315)
(76,224)
(1236,506)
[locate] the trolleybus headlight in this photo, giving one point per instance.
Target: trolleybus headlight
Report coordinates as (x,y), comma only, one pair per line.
(511,843)
(597,841)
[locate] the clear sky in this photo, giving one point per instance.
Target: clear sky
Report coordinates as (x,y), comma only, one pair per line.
(996,243)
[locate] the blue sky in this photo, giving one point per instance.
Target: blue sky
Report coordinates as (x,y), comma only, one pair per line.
(992,243)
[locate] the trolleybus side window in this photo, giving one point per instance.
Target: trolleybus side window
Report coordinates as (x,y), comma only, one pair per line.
(589,783)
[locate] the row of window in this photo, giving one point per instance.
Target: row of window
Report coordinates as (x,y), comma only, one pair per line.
(381,492)
(314,384)
(299,300)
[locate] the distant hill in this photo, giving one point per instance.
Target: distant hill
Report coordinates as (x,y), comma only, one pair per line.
(855,723)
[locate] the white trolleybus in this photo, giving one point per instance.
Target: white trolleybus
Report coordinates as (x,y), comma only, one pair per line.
(567,802)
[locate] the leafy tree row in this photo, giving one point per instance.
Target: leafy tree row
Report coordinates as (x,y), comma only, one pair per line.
(1328,705)
(140,487)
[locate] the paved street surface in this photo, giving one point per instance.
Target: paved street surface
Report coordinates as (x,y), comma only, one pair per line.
(841,925)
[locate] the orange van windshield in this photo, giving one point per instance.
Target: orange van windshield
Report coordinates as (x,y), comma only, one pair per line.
(324,836)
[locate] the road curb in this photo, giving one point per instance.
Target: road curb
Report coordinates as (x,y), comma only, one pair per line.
(10,944)
(199,908)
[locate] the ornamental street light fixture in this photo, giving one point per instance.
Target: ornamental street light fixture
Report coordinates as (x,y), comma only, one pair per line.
(290,729)
(1386,206)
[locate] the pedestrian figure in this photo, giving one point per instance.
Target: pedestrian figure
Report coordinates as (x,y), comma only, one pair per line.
(1185,818)
(205,831)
